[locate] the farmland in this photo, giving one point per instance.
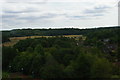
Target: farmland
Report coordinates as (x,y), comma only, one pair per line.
(14,40)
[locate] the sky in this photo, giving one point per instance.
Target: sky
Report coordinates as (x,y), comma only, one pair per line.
(18,14)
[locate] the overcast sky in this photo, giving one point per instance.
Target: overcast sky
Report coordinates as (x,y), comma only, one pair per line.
(17,14)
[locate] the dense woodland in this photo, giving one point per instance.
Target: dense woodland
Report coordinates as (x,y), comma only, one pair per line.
(60,57)
(52,32)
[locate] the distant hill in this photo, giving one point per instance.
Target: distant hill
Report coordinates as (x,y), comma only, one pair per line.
(52,32)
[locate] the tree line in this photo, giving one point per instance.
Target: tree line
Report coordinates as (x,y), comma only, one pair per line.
(51,32)
(60,57)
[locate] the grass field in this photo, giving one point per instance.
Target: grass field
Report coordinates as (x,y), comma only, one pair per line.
(14,40)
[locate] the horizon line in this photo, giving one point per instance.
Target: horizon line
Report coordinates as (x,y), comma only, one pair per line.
(61,28)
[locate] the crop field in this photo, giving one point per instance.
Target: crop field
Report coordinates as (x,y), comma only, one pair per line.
(14,40)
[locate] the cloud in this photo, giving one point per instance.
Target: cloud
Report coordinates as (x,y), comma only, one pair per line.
(22,11)
(97,10)
(25,0)
(43,16)
(8,16)
(46,13)
(59,0)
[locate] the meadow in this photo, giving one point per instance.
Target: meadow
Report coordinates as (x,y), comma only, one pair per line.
(14,40)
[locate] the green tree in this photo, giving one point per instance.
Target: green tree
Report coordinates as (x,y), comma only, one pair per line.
(22,45)
(39,49)
(81,67)
(8,54)
(36,65)
(52,69)
(29,49)
(101,68)
(22,62)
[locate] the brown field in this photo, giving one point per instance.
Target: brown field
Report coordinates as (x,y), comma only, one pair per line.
(14,40)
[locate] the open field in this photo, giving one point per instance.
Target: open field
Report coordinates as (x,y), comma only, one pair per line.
(14,40)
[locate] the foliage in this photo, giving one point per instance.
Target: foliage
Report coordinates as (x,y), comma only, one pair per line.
(60,57)
(5,75)
(8,56)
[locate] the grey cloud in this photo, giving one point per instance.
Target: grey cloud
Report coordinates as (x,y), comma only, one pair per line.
(98,15)
(23,11)
(31,18)
(9,16)
(76,17)
(43,16)
(97,10)
(119,4)
(90,13)
(25,1)
(102,7)
(84,17)
(93,11)
(12,12)
(43,2)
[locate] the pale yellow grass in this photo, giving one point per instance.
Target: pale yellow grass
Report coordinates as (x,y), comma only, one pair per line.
(14,40)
